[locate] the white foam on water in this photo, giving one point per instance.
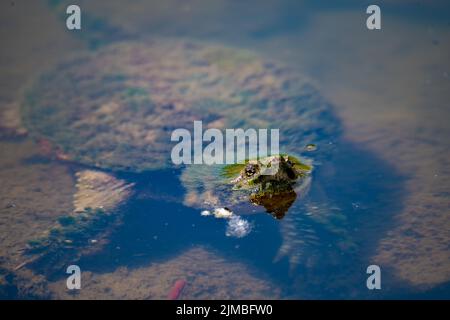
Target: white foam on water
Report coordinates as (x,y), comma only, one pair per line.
(205,213)
(223,213)
(238,227)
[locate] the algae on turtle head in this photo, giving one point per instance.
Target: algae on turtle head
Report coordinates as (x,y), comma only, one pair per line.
(271,175)
(272,181)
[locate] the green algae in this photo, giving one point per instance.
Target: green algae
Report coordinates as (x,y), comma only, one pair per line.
(158,86)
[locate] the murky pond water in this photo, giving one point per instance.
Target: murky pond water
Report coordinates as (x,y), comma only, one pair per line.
(379,112)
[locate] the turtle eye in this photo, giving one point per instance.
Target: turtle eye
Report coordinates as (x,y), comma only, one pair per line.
(289,162)
(250,170)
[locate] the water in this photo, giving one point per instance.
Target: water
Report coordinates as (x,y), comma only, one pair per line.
(387,174)
(155,230)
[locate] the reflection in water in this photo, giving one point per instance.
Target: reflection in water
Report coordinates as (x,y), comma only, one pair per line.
(276,204)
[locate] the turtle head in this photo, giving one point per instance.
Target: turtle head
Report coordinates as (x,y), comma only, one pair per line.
(269,175)
(270,180)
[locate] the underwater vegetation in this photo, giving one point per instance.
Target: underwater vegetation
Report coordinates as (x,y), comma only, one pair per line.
(66,240)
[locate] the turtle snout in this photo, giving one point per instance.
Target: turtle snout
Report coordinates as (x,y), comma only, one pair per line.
(250,170)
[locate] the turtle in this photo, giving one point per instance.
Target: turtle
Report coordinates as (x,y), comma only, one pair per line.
(271,182)
(112,110)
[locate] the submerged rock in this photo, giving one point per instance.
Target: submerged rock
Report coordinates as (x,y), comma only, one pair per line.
(11,121)
(99,190)
(207,275)
(97,204)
